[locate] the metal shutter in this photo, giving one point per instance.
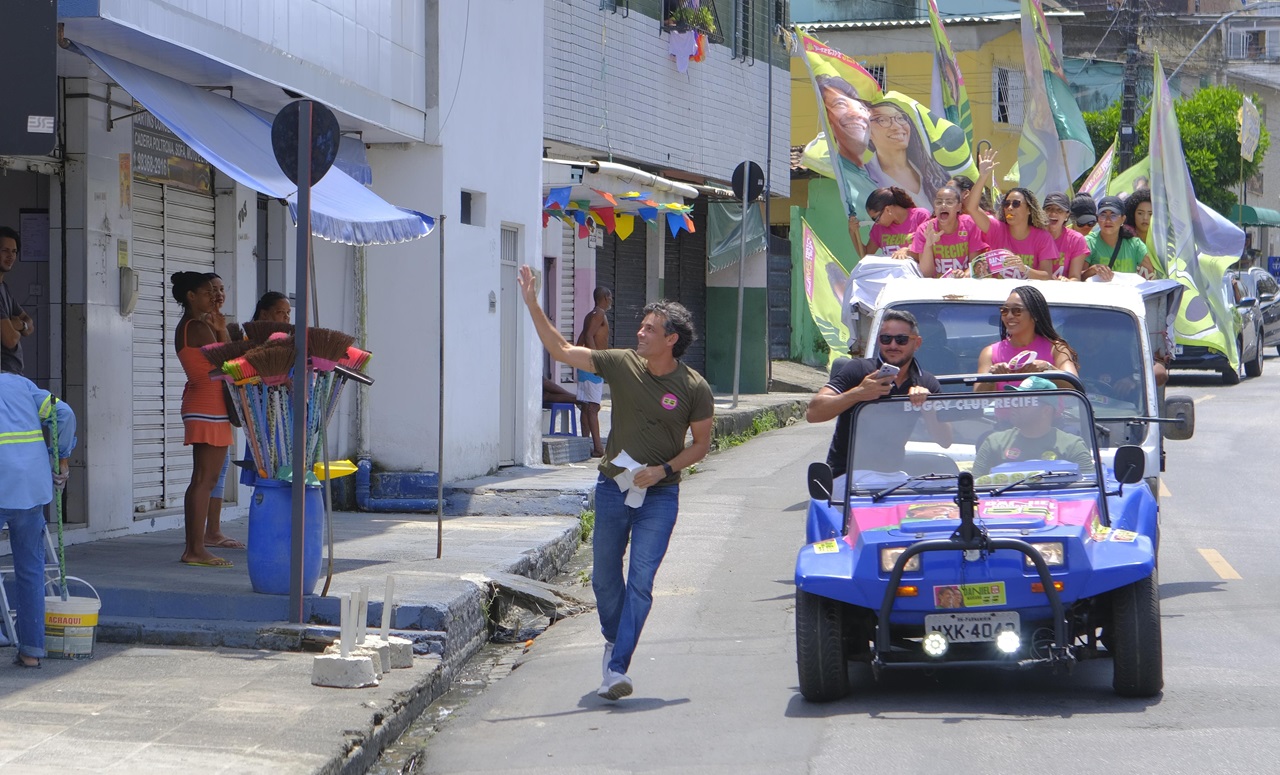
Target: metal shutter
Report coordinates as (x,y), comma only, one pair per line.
(779,291)
(566,314)
(686,281)
(621,266)
(172,232)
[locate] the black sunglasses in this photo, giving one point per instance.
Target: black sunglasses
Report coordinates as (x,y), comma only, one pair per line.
(901,339)
(1014,203)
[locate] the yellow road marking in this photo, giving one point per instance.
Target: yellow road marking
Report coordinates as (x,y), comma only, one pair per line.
(1219,564)
(1203,398)
(1164,491)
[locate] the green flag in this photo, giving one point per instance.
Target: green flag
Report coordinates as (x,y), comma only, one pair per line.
(1204,318)
(949,97)
(1055,148)
(825,280)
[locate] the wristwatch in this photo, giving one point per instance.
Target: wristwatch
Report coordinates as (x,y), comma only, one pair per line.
(667,467)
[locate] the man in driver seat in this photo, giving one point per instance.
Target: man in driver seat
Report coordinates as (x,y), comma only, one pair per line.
(1033,436)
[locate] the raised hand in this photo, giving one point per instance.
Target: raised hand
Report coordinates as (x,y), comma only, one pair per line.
(528,286)
(987,162)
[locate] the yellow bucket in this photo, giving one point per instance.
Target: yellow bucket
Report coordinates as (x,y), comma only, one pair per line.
(69,626)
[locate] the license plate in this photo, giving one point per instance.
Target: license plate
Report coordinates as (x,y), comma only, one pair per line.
(972,628)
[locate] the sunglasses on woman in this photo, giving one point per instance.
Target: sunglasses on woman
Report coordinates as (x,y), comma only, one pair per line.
(1015,311)
(1014,203)
(900,339)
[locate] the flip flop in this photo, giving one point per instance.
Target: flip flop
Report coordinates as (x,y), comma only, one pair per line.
(219,563)
(17,660)
(226,543)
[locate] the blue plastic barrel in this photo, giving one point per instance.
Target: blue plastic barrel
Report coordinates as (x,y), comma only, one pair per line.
(270,523)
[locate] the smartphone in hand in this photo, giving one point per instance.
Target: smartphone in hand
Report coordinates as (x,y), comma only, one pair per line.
(886,370)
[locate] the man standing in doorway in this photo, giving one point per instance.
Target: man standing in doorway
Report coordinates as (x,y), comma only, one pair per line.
(594,336)
(15,323)
(656,400)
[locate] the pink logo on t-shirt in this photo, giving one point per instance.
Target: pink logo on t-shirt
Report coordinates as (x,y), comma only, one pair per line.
(669,401)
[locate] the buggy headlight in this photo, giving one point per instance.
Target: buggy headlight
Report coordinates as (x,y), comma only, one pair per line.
(1054,553)
(889,555)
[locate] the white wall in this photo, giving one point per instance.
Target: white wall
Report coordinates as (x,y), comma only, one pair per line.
(705,121)
(482,148)
(367,58)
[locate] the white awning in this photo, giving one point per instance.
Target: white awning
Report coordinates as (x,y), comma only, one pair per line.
(236,139)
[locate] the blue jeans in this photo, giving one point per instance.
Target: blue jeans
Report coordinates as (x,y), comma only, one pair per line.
(26,538)
(624,605)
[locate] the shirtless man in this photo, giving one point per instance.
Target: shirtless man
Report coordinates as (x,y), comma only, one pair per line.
(594,336)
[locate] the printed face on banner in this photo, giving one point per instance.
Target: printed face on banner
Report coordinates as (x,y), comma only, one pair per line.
(849,118)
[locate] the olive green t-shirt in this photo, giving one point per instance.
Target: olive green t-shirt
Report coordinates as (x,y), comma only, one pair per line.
(1010,446)
(650,414)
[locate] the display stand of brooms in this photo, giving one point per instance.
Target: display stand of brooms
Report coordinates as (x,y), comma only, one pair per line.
(258,373)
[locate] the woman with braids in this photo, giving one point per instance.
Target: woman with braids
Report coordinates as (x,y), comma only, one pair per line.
(206,428)
(213,535)
(896,218)
(1020,228)
(1025,325)
(1114,247)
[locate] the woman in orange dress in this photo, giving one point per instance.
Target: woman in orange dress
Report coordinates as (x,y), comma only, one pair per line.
(206,428)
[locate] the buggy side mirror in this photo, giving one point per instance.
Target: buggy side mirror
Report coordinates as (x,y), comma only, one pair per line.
(1130,463)
(820,481)
(1182,410)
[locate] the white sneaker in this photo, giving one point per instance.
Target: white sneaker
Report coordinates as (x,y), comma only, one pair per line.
(604,666)
(615,686)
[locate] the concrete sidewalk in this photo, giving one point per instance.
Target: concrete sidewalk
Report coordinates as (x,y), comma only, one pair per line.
(243,702)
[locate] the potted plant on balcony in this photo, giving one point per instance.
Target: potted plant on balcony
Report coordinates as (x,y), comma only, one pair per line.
(687,19)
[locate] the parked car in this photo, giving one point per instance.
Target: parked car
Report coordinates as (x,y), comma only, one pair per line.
(985,558)
(1259,284)
(1247,327)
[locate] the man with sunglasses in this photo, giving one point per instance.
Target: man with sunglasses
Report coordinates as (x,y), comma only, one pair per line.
(855,381)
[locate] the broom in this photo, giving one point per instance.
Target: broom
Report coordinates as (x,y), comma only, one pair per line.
(259,331)
(219,353)
(272,363)
(327,347)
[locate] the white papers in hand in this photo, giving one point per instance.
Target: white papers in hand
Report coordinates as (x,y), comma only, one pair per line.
(625,480)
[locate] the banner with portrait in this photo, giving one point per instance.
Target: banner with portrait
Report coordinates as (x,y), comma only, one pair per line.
(825,281)
(876,138)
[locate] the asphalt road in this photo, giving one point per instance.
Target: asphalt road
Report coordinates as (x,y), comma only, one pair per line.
(715,672)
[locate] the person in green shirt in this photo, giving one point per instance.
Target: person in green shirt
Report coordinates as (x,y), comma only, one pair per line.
(1114,247)
(1033,436)
(656,401)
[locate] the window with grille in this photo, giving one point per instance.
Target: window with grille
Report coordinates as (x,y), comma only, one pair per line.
(1006,96)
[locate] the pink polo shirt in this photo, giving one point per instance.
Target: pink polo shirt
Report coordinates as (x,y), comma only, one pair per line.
(1037,248)
(951,252)
(899,234)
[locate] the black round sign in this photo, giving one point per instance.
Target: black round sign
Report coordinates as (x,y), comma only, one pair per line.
(325,136)
(748,178)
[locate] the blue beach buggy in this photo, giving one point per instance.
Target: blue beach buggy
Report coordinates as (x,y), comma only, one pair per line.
(995,536)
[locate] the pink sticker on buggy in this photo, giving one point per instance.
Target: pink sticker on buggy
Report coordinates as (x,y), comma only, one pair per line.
(669,401)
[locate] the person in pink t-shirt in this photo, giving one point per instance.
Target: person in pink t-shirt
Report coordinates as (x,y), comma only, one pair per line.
(945,244)
(1026,324)
(1073,250)
(1022,231)
(896,220)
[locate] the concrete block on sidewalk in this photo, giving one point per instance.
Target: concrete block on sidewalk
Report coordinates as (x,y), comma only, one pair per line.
(351,672)
(559,450)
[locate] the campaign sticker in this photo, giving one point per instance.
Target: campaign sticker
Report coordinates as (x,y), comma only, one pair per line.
(669,401)
(978,595)
(828,546)
(1124,536)
(1096,530)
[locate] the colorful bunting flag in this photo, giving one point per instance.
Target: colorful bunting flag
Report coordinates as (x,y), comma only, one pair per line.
(1095,184)
(606,196)
(558,198)
(649,214)
(624,224)
(604,216)
(675,222)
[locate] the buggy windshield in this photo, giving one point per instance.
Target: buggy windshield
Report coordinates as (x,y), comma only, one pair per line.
(1027,439)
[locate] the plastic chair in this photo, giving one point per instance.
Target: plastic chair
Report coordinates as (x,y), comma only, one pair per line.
(559,410)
